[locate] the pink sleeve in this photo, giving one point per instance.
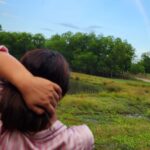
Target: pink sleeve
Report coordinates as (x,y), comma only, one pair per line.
(82,137)
(86,137)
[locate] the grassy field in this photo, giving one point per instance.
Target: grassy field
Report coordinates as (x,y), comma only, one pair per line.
(117,111)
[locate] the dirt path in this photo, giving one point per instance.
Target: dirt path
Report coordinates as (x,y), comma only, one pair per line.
(142,79)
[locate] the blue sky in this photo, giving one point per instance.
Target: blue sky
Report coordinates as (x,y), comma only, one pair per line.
(127,19)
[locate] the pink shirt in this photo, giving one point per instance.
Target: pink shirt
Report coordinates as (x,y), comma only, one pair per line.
(57,137)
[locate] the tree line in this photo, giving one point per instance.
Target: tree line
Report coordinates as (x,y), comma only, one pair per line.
(87,53)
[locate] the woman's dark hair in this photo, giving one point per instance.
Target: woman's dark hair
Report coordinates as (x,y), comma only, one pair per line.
(14,113)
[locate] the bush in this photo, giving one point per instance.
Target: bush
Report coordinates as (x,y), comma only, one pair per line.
(137,68)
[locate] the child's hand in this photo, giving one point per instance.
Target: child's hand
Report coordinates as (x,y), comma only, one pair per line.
(41,94)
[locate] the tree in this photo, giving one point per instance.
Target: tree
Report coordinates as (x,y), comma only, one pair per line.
(104,49)
(1,28)
(38,40)
(85,62)
(120,57)
(99,55)
(18,43)
(63,44)
(146,62)
(137,68)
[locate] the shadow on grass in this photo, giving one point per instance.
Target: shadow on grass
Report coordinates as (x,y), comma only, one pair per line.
(77,86)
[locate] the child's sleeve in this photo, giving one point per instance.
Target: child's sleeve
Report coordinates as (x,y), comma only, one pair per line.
(80,137)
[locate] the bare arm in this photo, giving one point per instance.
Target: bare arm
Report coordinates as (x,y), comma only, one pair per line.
(38,92)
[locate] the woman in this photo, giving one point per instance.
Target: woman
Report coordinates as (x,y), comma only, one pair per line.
(24,129)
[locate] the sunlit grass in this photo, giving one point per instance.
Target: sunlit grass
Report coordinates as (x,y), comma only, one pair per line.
(117,111)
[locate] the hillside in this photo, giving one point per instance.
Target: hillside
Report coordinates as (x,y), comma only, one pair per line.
(117,111)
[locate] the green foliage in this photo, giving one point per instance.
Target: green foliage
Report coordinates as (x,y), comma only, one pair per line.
(88,53)
(19,43)
(85,62)
(38,40)
(93,54)
(137,68)
(146,62)
(1,27)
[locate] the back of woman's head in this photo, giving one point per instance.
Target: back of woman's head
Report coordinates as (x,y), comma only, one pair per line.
(14,113)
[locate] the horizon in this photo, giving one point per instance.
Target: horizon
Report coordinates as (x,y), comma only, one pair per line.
(126,19)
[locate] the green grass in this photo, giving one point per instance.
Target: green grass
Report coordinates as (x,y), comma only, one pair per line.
(117,111)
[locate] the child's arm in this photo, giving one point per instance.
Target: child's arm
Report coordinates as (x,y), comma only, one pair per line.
(38,92)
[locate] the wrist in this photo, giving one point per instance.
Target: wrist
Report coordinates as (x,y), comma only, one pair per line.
(22,80)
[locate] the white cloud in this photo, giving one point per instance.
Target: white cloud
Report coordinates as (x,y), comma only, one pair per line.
(94,27)
(46,29)
(9,15)
(143,13)
(91,28)
(2,1)
(69,25)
